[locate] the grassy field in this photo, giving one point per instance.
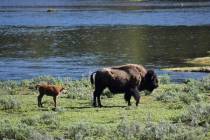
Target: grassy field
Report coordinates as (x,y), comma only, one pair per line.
(173,111)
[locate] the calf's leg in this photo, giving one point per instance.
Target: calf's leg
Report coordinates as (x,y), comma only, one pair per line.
(39,98)
(54,99)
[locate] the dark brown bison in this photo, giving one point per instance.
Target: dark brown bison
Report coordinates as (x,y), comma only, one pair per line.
(49,90)
(128,79)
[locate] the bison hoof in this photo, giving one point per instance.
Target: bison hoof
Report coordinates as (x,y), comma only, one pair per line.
(54,109)
(100,105)
(94,105)
(40,106)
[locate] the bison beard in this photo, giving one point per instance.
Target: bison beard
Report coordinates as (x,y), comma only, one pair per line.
(128,79)
(49,90)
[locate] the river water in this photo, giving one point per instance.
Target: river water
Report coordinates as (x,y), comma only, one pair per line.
(76,38)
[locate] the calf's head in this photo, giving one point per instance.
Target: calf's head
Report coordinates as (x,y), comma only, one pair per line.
(150,81)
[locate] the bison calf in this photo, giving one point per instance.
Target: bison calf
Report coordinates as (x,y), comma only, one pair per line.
(128,79)
(49,90)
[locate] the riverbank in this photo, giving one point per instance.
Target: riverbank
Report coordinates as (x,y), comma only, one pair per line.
(205,69)
(75,117)
(203,65)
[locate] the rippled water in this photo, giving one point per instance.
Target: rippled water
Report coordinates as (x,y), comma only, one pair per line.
(75,42)
(110,17)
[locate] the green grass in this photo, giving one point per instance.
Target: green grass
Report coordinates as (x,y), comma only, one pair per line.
(75,118)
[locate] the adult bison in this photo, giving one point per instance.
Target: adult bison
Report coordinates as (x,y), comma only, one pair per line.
(128,79)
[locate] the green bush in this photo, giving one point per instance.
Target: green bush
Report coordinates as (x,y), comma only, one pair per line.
(29,121)
(169,96)
(196,115)
(46,79)
(205,82)
(128,130)
(164,79)
(50,119)
(83,130)
(168,131)
(191,91)
(9,102)
(80,89)
(20,131)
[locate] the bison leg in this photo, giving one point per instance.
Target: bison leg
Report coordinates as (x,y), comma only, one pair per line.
(136,97)
(39,98)
(54,99)
(96,95)
(127,98)
(99,100)
(135,94)
(94,99)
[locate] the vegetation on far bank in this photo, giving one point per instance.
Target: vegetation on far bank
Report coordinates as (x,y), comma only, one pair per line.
(200,61)
(172,111)
(190,69)
(202,64)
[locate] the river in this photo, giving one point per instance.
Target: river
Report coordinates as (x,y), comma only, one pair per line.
(74,38)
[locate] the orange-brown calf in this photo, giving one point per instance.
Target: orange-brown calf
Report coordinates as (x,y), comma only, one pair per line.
(49,90)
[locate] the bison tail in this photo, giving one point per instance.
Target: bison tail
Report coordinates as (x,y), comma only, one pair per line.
(92,78)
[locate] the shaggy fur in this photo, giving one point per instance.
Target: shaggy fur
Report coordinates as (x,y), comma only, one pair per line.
(128,79)
(49,90)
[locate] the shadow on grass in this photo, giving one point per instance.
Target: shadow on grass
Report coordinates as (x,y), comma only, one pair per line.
(80,107)
(114,106)
(85,107)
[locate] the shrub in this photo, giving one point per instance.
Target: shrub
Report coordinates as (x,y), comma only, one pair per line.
(205,82)
(20,132)
(78,94)
(190,92)
(164,79)
(84,130)
(10,87)
(126,130)
(197,114)
(168,131)
(47,79)
(169,96)
(29,121)
(9,102)
(175,105)
(50,119)
(192,86)
(80,89)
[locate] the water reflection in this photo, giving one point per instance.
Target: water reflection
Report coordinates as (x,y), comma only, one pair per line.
(27,52)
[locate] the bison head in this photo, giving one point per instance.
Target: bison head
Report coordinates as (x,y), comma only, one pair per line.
(149,82)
